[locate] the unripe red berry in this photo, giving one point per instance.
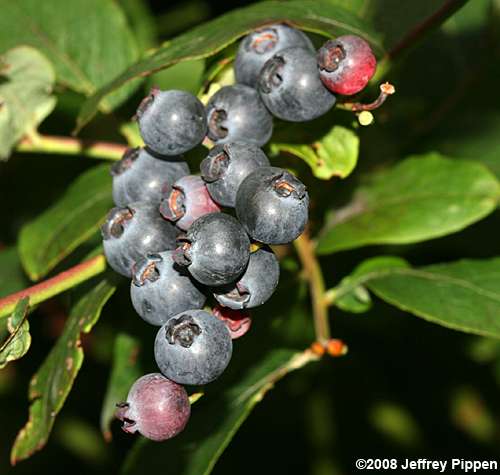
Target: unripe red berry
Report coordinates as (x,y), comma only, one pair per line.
(346,64)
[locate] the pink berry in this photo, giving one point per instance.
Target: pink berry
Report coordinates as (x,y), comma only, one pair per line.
(156,407)
(186,201)
(237,321)
(346,64)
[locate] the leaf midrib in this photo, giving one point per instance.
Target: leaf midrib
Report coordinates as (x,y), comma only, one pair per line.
(402,200)
(434,276)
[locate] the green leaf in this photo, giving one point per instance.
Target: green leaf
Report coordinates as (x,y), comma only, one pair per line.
(141,22)
(51,384)
(215,421)
(351,294)
(88,41)
(186,76)
(420,198)
(124,372)
(334,154)
(18,341)
(12,276)
(358,300)
(53,235)
(463,295)
(207,39)
(26,82)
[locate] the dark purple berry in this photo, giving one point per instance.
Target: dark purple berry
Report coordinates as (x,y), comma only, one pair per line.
(256,285)
(226,166)
(215,249)
(346,64)
(193,347)
(236,113)
(156,407)
(260,45)
(140,176)
(160,289)
(134,231)
(290,87)
(272,205)
(238,322)
(171,122)
(187,200)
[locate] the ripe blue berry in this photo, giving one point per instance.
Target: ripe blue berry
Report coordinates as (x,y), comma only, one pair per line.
(226,166)
(236,113)
(134,231)
(346,64)
(215,249)
(171,122)
(140,176)
(160,289)
(193,347)
(156,407)
(272,205)
(238,322)
(187,200)
(256,285)
(290,87)
(260,45)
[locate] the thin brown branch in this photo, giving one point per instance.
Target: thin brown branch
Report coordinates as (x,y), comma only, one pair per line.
(310,264)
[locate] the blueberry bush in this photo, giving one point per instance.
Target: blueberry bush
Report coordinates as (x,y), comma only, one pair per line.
(330,190)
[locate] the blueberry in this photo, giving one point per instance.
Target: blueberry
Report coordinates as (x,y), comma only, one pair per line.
(193,347)
(215,249)
(140,176)
(134,231)
(171,122)
(238,322)
(260,45)
(346,64)
(256,285)
(290,87)
(160,289)
(272,205)
(156,407)
(187,200)
(226,166)
(236,113)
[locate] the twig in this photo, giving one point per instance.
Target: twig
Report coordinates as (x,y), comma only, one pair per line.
(55,285)
(305,251)
(71,146)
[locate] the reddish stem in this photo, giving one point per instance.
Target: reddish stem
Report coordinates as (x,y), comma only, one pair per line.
(57,284)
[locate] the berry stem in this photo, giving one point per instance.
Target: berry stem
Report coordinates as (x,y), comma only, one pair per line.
(55,285)
(71,146)
(386,90)
(305,250)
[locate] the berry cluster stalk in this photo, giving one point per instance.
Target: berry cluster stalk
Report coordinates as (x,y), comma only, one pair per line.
(312,270)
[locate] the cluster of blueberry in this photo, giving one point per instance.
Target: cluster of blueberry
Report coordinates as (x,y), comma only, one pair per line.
(169,234)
